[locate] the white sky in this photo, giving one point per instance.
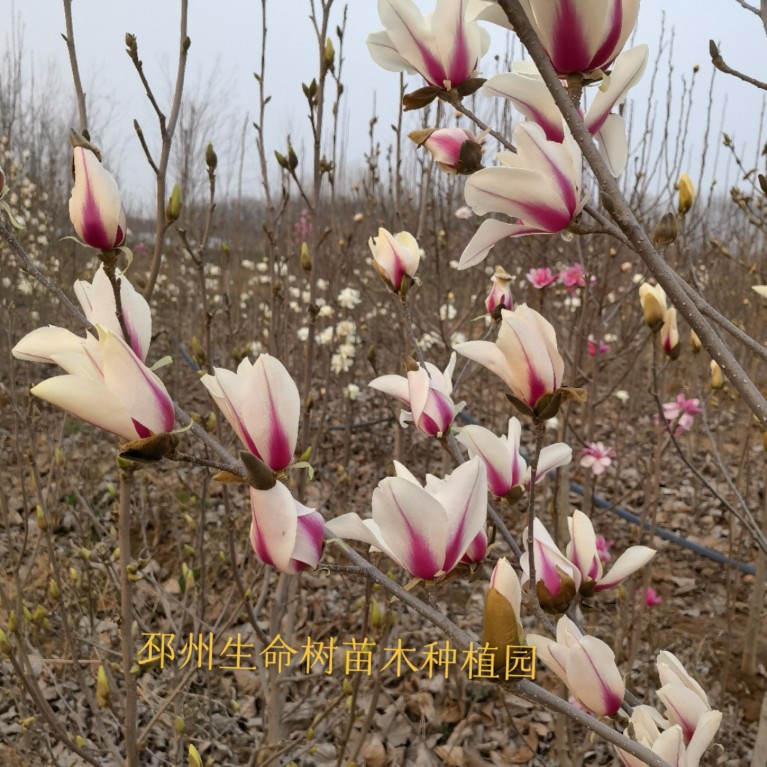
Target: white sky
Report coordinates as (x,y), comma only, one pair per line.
(225,52)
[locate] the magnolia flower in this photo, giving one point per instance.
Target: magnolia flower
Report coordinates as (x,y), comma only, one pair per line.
(686,193)
(585,664)
(95,208)
(348,298)
(525,88)
(525,355)
(97,299)
(425,392)
(444,48)
(455,150)
(283,532)
(506,468)
(106,384)
(597,457)
(573,277)
(651,596)
(539,186)
(541,278)
(681,411)
(593,349)
(500,293)
(426,530)
(394,256)
(557,579)
(685,700)
(503,605)
(582,37)
(262,404)
(582,552)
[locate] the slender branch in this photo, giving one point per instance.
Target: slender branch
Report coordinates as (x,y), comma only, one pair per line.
(627,221)
(720,64)
(451,98)
(69,38)
(126,612)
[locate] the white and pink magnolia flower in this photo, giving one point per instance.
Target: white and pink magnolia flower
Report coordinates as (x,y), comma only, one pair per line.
(106,383)
(426,530)
(500,293)
(506,468)
(95,208)
(394,256)
(425,392)
(262,404)
(593,348)
(503,604)
(669,334)
(443,47)
(681,411)
(97,299)
(455,150)
(651,597)
(582,551)
(597,457)
(557,578)
(283,532)
(541,278)
(525,88)
(539,186)
(582,36)
(685,700)
(585,664)
(525,355)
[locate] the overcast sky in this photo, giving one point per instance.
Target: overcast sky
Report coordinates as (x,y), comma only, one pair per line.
(225,52)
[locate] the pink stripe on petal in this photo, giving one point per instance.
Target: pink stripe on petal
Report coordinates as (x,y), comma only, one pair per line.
(546,570)
(606,52)
(569,49)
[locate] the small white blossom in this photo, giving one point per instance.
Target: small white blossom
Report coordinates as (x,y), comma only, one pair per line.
(349,298)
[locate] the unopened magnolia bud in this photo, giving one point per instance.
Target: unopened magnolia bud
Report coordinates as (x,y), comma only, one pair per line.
(330,53)
(283,163)
(173,209)
(260,476)
(666,231)
(131,45)
(306,257)
(653,305)
(717,377)
(376,614)
(5,645)
(211,159)
(695,342)
(13,622)
(292,158)
(102,687)
(42,522)
(501,625)
(53,589)
(194,759)
(686,193)
(180,726)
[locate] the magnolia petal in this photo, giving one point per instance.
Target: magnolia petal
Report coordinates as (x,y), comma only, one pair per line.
(383,52)
(613,144)
(309,538)
(90,401)
(273,526)
(708,725)
(271,411)
(463,494)
(582,549)
(670,747)
(671,670)
(505,581)
(457,41)
(683,707)
(494,453)
(760,289)
(396,386)
(229,391)
(530,96)
(552,457)
(142,393)
(489,232)
(351,526)
(477,549)
(593,677)
(42,343)
(413,524)
(412,39)
(487,354)
(543,652)
(626,73)
(400,470)
(627,563)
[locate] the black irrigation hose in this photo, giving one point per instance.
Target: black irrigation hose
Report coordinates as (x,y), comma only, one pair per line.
(661,532)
